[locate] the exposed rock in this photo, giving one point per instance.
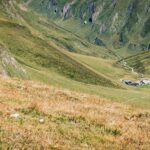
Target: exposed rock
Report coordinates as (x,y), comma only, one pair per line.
(92,7)
(53,2)
(102,29)
(85,22)
(147,9)
(66,9)
(15,115)
(41,120)
(8,64)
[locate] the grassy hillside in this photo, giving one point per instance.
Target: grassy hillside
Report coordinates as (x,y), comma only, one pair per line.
(46,59)
(140,62)
(71,120)
(64,91)
(32,47)
(105,67)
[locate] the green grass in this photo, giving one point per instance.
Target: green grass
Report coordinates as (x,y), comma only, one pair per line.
(66,63)
(106,67)
(38,42)
(137,97)
(140,62)
(34,50)
(47,60)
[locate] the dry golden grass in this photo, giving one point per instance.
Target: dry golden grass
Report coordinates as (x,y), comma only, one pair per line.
(71,120)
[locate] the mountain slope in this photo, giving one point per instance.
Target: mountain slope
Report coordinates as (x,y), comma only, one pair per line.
(40,44)
(73,46)
(118,24)
(126,32)
(140,62)
(35,50)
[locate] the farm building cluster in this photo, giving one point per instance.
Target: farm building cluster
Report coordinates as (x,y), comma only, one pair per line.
(137,83)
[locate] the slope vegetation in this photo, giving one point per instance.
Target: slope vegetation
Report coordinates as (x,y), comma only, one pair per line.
(140,62)
(113,23)
(71,120)
(32,48)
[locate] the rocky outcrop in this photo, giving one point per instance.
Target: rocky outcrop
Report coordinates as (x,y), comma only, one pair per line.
(8,65)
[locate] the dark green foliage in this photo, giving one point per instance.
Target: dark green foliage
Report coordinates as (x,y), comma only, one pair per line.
(146,28)
(140,67)
(123,39)
(132,13)
(99,42)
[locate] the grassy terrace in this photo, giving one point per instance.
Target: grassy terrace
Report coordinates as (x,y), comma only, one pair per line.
(140,62)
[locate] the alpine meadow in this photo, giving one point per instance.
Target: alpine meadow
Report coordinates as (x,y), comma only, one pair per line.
(74,74)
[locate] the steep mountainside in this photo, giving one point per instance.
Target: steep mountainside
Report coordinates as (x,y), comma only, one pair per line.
(117,24)
(34,43)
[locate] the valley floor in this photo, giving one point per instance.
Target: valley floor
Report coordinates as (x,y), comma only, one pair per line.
(69,120)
